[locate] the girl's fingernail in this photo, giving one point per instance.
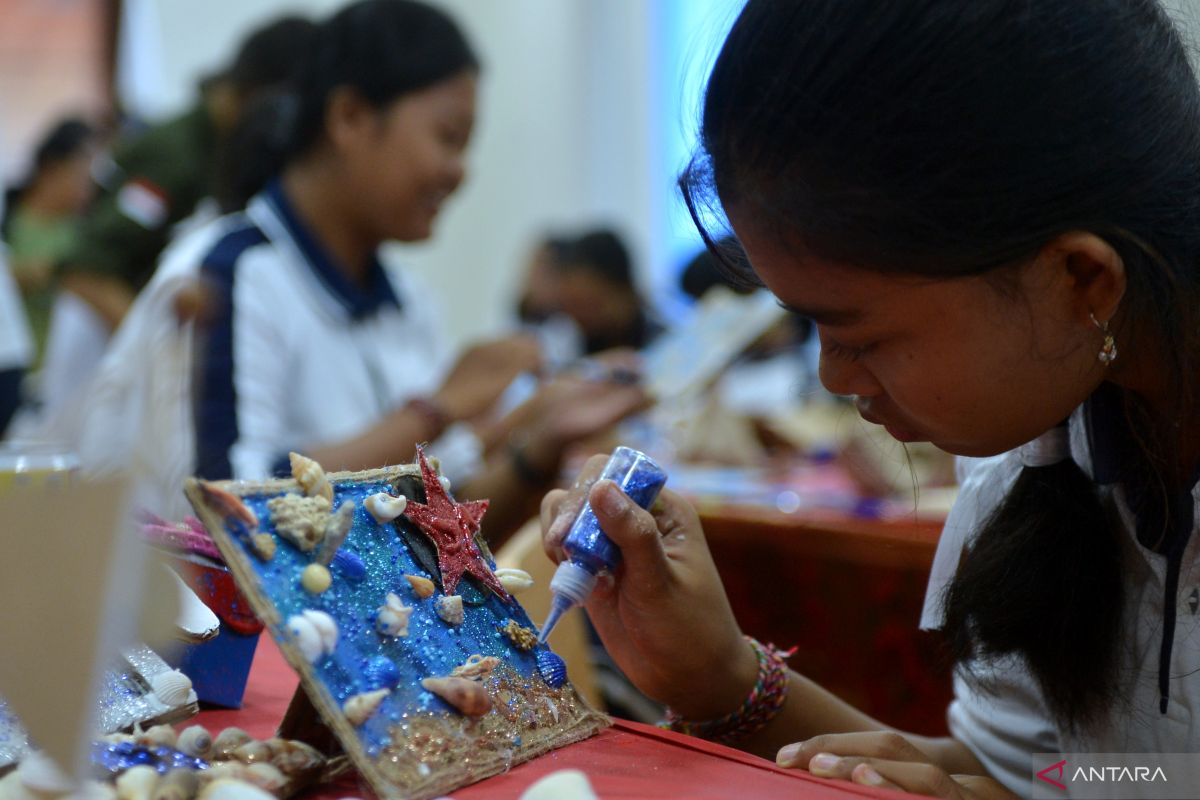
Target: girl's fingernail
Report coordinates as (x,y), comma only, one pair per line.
(787,755)
(865,773)
(823,762)
(611,499)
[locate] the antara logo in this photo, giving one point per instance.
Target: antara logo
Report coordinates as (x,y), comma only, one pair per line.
(1055,773)
(1057,769)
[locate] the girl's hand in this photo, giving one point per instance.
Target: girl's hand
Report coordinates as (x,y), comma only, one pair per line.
(888,760)
(664,616)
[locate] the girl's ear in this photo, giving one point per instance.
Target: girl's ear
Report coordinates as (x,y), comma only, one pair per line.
(1090,272)
(348,118)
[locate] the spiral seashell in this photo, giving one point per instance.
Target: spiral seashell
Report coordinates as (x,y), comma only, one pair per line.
(385,507)
(382,673)
(422,587)
(137,783)
(300,520)
(337,528)
(467,696)
(552,668)
(229,740)
(195,741)
(160,735)
(311,477)
(177,784)
(349,564)
(359,708)
(233,789)
(476,667)
(450,609)
(391,619)
(266,777)
(171,688)
(294,757)
(514,580)
(325,626)
(315,579)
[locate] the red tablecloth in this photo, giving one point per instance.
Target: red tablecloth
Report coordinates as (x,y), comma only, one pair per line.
(628,760)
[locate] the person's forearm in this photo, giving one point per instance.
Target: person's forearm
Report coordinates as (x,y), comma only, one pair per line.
(109,297)
(391,441)
(514,490)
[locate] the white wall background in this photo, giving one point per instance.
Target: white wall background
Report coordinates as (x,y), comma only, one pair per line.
(582,121)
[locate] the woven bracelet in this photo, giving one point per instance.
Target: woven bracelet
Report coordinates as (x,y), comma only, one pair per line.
(760,707)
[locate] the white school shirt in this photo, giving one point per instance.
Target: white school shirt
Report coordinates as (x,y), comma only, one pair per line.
(1004,730)
(298,357)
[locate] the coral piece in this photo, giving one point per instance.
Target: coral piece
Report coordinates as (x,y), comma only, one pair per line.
(467,696)
(359,708)
(552,668)
(514,580)
(452,527)
(311,477)
(422,587)
(315,579)
(301,520)
(385,507)
(392,617)
(450,609)
(477,667)
(522,638)
(337,528)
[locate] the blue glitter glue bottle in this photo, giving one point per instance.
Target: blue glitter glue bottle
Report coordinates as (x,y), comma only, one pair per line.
(589,552)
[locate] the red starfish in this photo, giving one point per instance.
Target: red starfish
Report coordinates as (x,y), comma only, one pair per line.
(452,527)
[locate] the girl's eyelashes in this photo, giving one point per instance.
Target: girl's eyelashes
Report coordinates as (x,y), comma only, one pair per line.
(835,350)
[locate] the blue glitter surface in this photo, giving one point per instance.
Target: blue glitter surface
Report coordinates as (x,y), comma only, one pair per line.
(359,663)
(116,758)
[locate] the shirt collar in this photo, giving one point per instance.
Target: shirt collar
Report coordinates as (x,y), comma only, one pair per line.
(359,301)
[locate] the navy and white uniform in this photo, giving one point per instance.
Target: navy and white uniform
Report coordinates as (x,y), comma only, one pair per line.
(298,356)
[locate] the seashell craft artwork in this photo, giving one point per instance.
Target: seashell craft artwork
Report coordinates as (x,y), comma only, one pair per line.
(468,697)
(385,507)
(422,587)
(477,667)
(359,708)
(171,688)
(514,580)
(299,519)
(392,617)
(450,609)
(311,477)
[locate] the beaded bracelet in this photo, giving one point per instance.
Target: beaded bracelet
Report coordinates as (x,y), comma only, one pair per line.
(760,707)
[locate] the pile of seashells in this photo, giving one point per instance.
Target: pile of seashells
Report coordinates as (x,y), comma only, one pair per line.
(159,764)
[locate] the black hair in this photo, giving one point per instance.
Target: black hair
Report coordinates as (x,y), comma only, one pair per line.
(704,271)
(949,139)
(269,56)
(383,49)
(600,252)
(67,139)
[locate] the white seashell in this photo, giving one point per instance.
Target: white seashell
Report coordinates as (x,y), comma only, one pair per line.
(565,784)
(359,708)
(137,783)
(195,741)
(450,609)
(229,740)
(93,790)
(159,735)
(233,789)
(253,751)
(392,617)
(476,666)
(307,638)
(171,688)
(178,784)
(514,580)
(316,578)
(337,528)
(445,482)
(293,757)
(39,773)
(223,770)
(326,627)
(310,476)
(384,507)
(266,777)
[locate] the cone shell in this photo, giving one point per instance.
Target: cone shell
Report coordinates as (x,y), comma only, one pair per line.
(171,688)
(476,667)
(294,757)
(311,477)
(385,507)
(195,741)
(359,708)
(422,587)
(450,609)
(468,696)
(514,580)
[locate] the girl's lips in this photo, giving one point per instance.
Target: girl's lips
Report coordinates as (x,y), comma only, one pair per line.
(896,432)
